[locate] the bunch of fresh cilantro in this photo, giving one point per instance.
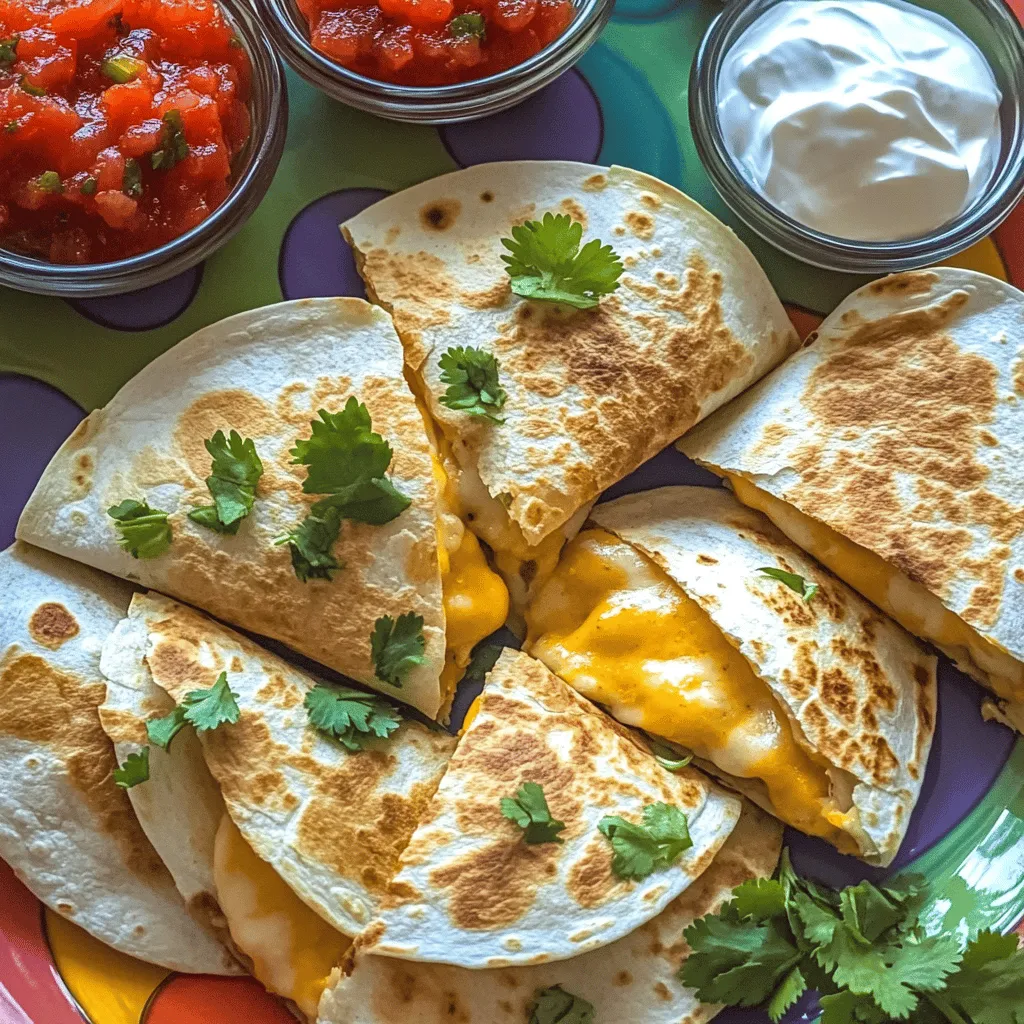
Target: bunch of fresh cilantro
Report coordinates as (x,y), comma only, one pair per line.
(863,949)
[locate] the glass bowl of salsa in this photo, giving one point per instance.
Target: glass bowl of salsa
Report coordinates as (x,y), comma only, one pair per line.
(136,138)
(433,61)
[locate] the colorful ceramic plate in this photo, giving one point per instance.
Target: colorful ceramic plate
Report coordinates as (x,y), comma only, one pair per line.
(625,103)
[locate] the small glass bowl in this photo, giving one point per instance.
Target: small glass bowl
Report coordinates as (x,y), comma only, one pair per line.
(254,169)
(999,35)
(442,104)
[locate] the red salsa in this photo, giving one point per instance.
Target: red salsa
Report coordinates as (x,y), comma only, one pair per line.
(118,123)
(433,42)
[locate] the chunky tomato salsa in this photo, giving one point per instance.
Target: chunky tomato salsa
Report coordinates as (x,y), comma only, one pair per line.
(118,123)
(433,42)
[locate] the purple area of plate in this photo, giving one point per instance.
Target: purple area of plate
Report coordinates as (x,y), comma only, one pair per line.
(34,421)
(146,309)
(315,259)
(561,122)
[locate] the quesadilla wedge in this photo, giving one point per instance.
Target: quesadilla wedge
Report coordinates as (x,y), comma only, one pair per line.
(591,394)
(477,888)
(632,979)
(692,617)
(188,482)
(66,828)
(890,448)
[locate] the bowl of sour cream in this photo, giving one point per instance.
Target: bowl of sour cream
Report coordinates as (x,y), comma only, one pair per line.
(864,135)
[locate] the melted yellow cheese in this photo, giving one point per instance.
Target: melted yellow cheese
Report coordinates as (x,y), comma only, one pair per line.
(619,630)
(292,949)
(914,607)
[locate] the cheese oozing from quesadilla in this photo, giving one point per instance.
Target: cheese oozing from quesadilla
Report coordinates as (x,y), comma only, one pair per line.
(291,948)
(914,607)
(620,631)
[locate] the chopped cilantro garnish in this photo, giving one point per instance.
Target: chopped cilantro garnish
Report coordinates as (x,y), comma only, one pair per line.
(348,715)
(667,757)
(49,181)
(793,580)
(162,730)
(311,543)
(173,145)
(469,24)
(202,709)
(397,647)
(134,770)
(472,378)
(8,51)
(235,472)
(529,810)
(131,184)
(546,262)
(122,68)
(27,86)
(89,186)
(144,531)
(657,843)
(11,127)
(556,1006)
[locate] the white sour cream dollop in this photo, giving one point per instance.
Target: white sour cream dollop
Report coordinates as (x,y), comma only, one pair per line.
(870,120)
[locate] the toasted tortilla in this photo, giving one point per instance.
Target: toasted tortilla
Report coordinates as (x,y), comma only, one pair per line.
(264,373)
(858,690)
(898,427)
(65,827)
(471,892)
(331,822)
(632,979)
(591,395)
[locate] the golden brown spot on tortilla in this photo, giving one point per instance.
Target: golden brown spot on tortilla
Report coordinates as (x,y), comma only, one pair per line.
(52,625)
(279,692)
(707,560)
(802,682)
(595,183)
(989,439)
(664,278)
(226,410)
(634,284)
(122,726)
(84,428)
(622,979)
(1018,373)
(649,199)
(440,215)
(415,287)
(392,234)
(641,224)
(487,197)
(1018,575)
(175,664)
(661,990)
(773,435)
(246,760)
(913,283)
(618,230)
(524,213)
(575,210)
(42,704)
(489,298)
(591,881)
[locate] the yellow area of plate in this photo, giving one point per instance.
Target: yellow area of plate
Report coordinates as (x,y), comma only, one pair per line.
(983,257)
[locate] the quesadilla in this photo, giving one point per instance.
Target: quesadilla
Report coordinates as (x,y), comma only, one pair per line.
(311,427)
(474,888)
(632,979)
(591,394)
(312,830)
(890,448)
(692,617)
(66,828)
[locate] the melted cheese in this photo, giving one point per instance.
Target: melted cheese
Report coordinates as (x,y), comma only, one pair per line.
(914,607)
(292,949)
(614,626)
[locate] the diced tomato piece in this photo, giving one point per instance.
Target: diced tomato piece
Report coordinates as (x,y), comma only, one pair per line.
(127,104)
(345,35)
(514,15)
(109,170)
(141,139)
(420,13)
(117,209)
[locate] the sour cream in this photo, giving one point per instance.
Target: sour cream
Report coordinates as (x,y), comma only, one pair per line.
(871,120)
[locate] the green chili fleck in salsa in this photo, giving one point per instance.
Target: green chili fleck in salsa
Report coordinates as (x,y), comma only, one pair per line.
(433,42)
(120,121)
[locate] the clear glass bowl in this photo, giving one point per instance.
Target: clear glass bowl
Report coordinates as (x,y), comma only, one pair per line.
(253,171)
(999,35)
(443,104)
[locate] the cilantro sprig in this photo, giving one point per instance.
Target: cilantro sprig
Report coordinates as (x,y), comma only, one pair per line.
(793,580)
(397,646)
(173,146)
(863,949)
(530,811)
(556,1006)
(469,24)
(311,544)
(203,709)
(234,474)
(545,262)
(143,532)
(472,378)
(349,715)
(9,51)
(639,849)
(134,771)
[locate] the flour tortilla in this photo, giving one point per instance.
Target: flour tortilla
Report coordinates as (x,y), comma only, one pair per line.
(591,395)
(65,827)
(874,720)
(330,822)
(899,426)
(632,979)
(264,373)
(471,892)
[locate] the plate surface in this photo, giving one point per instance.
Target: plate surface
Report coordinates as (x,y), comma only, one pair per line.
(625,103)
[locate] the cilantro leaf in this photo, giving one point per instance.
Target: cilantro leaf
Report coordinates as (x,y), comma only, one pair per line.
(173,146)
(122,68)
(134,770)
(131,181)
(311,544)
(545,262)
(9,51)
(348,714)
(235,471)
(847,1008)
(397,647)
(162,730)
(793,986)
(989,988)
(556,1006)
(639,849)
(529,810)
(207,709)
(144,531)
(472,378)
(793,580)
(469,24)
(760,899)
